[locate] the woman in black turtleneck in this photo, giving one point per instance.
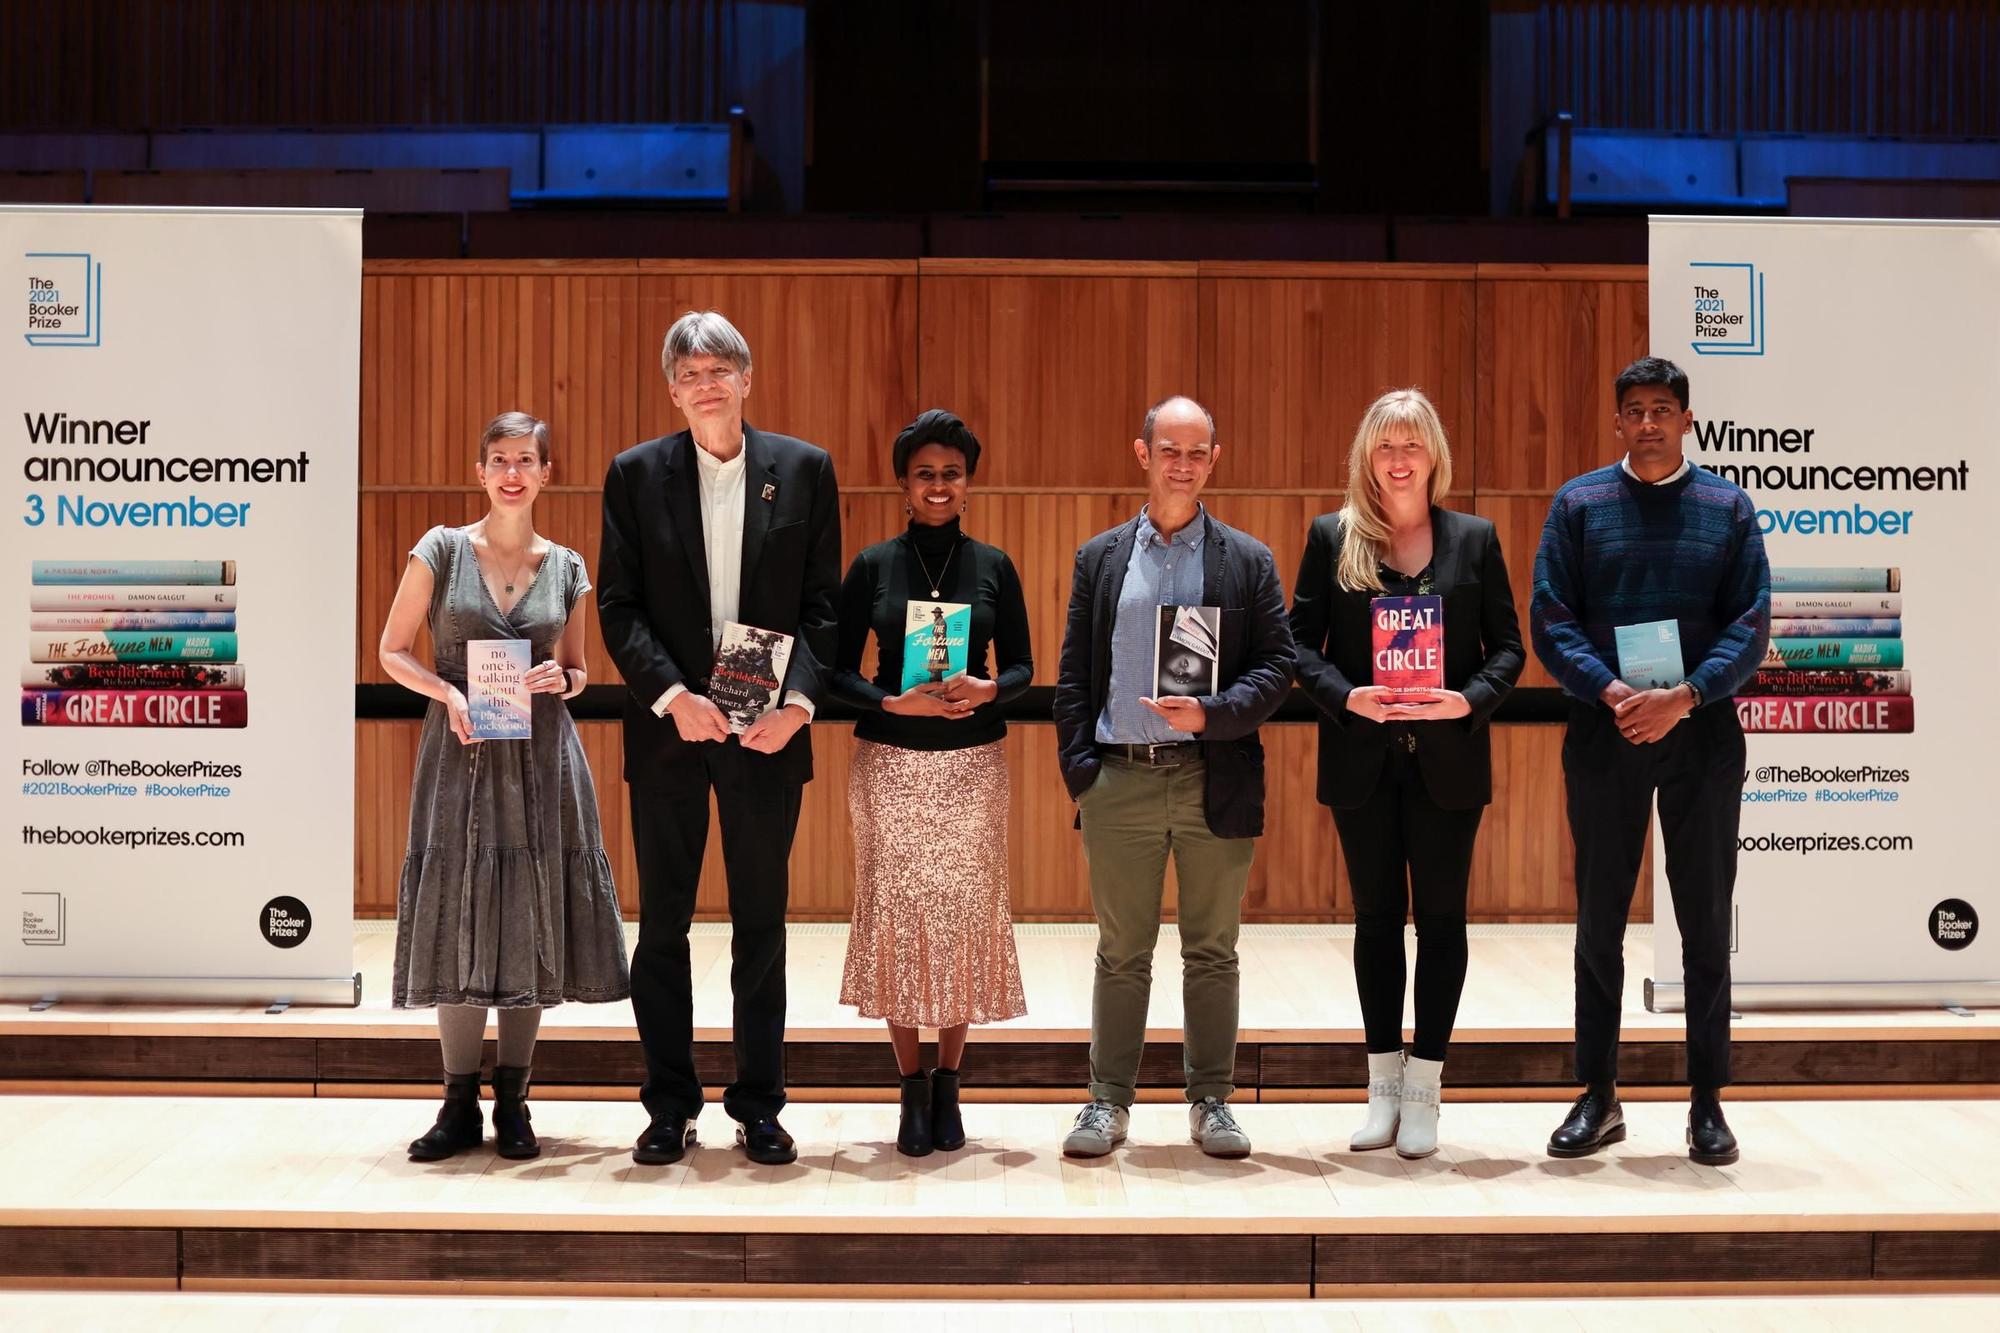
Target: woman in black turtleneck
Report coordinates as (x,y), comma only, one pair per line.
(933,941)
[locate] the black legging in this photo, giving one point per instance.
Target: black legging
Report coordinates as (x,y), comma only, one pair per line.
(1400,845)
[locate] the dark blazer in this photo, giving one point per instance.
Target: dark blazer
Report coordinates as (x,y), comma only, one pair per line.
(652,587)
(1239,576)
(1482,660)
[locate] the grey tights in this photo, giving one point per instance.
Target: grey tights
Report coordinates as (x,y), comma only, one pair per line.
(462,1031)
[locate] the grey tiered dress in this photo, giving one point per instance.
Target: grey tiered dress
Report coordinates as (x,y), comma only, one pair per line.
(506,896)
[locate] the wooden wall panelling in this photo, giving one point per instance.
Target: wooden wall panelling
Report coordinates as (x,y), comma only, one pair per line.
(1517,519)
(1550,343)
(1289,363)
(833,347)
(1054,365)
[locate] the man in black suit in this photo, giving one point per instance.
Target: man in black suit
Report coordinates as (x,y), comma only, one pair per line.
(717,523)
(1155,771)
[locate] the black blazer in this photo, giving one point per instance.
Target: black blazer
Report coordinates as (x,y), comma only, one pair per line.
(1239,576)
(1482,660)
(652,587)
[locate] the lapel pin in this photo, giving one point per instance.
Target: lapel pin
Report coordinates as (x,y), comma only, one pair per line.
(770,491)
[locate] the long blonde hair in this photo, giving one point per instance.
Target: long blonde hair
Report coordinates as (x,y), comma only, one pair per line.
(1365,524)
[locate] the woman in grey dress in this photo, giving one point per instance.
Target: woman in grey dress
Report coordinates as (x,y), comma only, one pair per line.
(506,898)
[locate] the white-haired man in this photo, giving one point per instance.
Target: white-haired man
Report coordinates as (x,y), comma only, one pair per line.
(716,523)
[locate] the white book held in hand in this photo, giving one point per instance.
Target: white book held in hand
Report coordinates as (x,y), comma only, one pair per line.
(496,689)
(749,673)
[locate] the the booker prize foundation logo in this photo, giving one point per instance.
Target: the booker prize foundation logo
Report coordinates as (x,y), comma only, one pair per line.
(43,920)
(1728,309)
(65,299)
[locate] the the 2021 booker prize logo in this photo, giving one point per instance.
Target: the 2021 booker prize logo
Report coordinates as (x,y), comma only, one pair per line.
(1953,924)
(1728,309)
(65,299)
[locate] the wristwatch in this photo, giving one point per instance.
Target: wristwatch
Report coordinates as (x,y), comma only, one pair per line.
(1694,693)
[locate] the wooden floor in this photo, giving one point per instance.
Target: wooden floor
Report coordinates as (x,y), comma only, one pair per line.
(1301,1030)
(1298,984)
(293,1193)
(122,1312)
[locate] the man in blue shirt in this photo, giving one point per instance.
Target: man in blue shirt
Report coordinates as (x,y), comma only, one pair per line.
(1652,538)
(1175,769)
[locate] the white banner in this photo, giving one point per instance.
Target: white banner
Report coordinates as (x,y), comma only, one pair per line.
(1843,374)
(179,395)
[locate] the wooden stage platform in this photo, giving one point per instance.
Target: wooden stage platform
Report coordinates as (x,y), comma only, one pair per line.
(1301,1031)
(121,1312)
(316,1194)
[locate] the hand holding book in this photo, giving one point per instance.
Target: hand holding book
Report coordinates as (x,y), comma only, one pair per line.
(926,700)
(546,678)
(1182,712)
(1645,716)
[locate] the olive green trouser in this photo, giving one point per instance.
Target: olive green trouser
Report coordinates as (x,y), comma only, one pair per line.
(1133,816)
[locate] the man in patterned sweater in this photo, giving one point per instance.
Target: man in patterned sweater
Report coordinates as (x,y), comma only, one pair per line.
(1652,538)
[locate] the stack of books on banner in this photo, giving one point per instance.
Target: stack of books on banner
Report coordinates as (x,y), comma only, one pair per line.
(133,643)
(1836,657)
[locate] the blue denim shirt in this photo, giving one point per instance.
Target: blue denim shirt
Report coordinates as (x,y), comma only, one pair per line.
(1159,573)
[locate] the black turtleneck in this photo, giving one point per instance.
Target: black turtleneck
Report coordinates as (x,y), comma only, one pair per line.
(879,585)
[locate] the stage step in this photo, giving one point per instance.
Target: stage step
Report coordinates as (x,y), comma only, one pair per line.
(121,1312)
(301,1194)
(1301,1029)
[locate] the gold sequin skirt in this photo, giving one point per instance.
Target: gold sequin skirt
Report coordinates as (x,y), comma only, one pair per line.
(933,939)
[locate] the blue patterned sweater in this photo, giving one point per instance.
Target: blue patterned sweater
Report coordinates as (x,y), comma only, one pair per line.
(1618,551)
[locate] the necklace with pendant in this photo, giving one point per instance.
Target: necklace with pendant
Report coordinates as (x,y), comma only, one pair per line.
(937,582)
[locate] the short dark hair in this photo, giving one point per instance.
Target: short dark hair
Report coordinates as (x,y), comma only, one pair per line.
(515,426)
(1652,370)
(935,426)
(1153,416)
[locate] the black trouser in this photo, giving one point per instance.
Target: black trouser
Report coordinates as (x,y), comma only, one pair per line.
(1401,848)
(669,834)
(1697,769)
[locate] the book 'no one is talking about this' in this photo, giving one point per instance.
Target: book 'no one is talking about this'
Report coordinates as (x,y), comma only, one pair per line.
(496,688)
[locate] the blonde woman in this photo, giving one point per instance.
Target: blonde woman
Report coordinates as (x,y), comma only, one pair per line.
(506,899)
(1407,773)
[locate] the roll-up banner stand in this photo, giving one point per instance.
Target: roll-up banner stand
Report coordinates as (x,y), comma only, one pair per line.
(179,396)
(1844,374)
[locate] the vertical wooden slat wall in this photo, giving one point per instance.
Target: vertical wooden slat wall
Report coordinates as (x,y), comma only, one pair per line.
(1052,364)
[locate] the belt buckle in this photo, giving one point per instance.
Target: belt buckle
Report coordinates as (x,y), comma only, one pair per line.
(1153,754)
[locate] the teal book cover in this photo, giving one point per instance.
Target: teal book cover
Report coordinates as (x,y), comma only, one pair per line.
(1649,655)
(937,638)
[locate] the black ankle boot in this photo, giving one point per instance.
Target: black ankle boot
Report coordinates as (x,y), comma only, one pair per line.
(947,1129)
(459,1124)
(1709,1141)
(913,1136)
(513,1130)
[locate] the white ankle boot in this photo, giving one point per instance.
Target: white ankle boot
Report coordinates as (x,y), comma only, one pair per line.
(1385,1093)
(1417,1131)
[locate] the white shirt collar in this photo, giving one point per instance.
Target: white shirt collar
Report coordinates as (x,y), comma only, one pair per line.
(719,467)
(1675,475)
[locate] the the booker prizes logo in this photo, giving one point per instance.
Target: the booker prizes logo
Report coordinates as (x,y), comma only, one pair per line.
(1728,309)
(65,302)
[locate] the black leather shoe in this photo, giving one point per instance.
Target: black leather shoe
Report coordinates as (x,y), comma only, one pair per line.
(1709,1141)
(947,1129)
(665,1141)
(766,1143)
(913,1131)
(459,1122)
(513,1127)
(1596,1120)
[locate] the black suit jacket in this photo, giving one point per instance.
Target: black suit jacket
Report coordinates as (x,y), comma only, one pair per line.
(652,588)
(1239,576)
(1482,660)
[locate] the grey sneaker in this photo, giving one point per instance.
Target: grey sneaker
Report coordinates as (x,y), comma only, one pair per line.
(1211,1125)
(1100,1127)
